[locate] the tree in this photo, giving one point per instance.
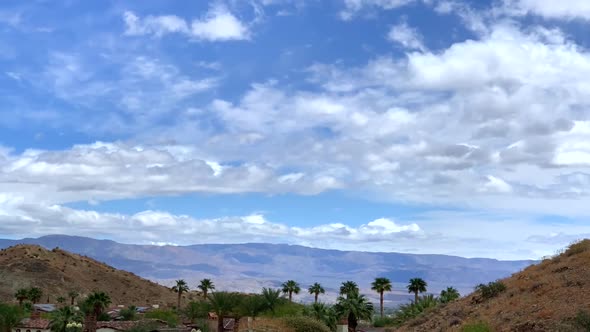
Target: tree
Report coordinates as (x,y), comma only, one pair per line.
(417,285)
(224,304)
(195,310)
(449,294)
(21,295)
(316,289)
(180,287)
(381,285)
(35,294)
(61,318)
(205,286)
(73,295)
(252,305)
(355,307)
(290,287)
(96,302)
(322,312)
(129,313)
(61,300)
(10,315)
(272,298)
(349,287)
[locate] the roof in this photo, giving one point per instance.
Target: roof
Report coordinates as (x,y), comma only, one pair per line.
(45,307)
(126,325)
(38,323)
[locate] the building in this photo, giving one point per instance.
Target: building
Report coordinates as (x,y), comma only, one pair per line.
(33,324)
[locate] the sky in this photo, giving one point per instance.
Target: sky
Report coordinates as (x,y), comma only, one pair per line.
(419,126)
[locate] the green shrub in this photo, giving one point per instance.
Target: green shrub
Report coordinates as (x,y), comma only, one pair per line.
(582,320)
(476,327)
(129,313)
(490,290)
(383,322)
(305,324)
(412,310)
(168,316)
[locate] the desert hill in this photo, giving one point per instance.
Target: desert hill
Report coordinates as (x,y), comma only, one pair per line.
(249,267)
(544,297)
(57,272)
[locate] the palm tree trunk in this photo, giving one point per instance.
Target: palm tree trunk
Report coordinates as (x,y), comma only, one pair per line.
(416,297)
(316,297)
(290,296)
(352,322)
(237,324)
(205,294)
(178,303)
(381,304)
(219,323)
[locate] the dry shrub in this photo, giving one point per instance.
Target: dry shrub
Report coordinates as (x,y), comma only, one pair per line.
(265,325)
(577,248)
(545,314)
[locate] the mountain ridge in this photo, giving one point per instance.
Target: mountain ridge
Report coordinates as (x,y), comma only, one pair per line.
(248,267)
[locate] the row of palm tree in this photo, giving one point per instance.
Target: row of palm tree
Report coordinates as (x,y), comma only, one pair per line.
(380,285)
(32,294)
(182,287)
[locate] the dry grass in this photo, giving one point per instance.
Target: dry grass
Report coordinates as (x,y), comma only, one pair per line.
(543,297)
(264,325)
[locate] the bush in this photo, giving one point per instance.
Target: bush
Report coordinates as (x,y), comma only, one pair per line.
(129,313)
(476,327)
(490,290)
(168,316)
(577,247)
(583,320)
(305,324)
(414,309)
(383,322)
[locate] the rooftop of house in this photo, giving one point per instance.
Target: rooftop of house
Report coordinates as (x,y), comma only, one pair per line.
(34,323)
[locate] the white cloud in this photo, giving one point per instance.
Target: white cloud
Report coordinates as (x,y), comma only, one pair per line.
(551,9)
(406,36)
(219,24)
(353,7)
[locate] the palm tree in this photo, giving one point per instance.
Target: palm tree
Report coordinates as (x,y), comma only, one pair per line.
(449,294)
(322,312)
(21,295)
(35,294)
(290,287)
(272,298)
(205,286)
(10,316)
(196,310)
(180,287)
(252,306)
(224,304)
(61,318)
(349,287)
(381,285)
(61,300)
(73,295)
(316,289)
(355,307)
(96,302)
(417,285)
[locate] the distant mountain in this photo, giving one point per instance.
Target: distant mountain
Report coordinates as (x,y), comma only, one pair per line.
(57,272)
(248,267)
(545,297)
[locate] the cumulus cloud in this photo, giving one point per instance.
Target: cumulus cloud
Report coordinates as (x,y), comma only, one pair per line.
(218,24)
(406,36)
(566,9)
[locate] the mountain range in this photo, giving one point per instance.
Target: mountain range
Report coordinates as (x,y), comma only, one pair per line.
(249,267)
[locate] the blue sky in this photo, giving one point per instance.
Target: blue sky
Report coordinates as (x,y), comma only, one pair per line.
(425,126)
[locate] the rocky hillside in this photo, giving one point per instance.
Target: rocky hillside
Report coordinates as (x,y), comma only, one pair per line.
(544,297)
(57,272)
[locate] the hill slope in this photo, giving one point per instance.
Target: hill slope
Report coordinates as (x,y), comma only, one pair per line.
(543,297)
(57,272)
(249,267)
